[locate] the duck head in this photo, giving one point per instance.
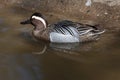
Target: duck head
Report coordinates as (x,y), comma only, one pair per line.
(37,20)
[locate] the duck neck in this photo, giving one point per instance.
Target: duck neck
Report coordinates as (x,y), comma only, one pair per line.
(38,30)
(41,33)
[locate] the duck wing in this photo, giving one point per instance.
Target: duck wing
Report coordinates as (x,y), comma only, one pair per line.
(66,28)
(73,28)
(85,29)
(68,31)
(64,32)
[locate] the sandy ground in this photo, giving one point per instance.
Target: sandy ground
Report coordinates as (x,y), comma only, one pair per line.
(105,12)
(109,2)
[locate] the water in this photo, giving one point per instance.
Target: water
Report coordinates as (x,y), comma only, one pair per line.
(24,58)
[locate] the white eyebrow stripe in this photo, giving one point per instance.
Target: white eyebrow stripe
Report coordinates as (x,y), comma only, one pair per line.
(41,19)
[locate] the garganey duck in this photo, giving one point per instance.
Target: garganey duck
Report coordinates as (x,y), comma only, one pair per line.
(63,31)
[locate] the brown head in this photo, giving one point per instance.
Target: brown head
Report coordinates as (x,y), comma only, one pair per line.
(37,20)
(40,26)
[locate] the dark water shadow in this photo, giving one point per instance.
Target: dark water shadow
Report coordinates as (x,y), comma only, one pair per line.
(20,67)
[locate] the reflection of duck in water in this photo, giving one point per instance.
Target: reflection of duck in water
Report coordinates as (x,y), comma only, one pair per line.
(71,47)
(63,31)
(64,48)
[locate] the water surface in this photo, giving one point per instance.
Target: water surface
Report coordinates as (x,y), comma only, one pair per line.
(24,58)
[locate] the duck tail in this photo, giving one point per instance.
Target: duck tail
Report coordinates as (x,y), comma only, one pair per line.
(95,34)
(98,29)
(98,32)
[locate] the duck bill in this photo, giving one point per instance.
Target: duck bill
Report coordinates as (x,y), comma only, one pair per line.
(25,22)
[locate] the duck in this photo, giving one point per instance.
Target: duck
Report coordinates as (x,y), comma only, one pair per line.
(64,31)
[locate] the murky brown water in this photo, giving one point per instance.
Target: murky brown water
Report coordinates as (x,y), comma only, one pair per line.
(23,58)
